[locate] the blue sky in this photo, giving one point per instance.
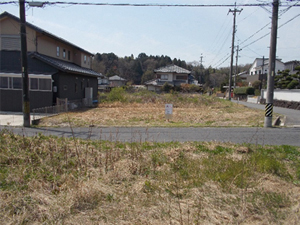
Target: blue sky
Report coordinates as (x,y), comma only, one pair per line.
(179,32)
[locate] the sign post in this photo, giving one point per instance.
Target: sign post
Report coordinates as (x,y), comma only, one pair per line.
(168,111)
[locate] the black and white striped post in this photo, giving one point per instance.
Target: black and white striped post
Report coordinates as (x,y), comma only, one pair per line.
(269,111)
(272,61)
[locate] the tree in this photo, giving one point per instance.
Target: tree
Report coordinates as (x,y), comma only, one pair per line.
(256,84)
(148,75)
(284,80)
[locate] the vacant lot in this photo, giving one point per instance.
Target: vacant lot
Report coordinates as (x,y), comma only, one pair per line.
(49,180)
(148,109)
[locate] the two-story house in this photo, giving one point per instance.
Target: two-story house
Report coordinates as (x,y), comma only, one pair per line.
(56,67)
(261,66)
(171,74)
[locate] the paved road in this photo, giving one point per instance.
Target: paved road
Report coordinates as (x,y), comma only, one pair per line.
(292,115)
(261,136)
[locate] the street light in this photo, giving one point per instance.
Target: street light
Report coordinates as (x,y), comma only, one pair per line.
(36,4)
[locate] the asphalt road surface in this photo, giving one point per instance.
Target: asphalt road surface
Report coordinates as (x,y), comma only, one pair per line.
(292,115)
(289,135)
(260,136)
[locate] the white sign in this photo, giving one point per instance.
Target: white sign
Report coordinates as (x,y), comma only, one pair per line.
(168,109)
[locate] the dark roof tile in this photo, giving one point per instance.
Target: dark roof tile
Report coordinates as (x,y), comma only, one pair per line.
(172,69)
(66,66)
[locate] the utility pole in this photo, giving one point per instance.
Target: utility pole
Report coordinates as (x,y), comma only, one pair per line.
(236,64)
(263,82)
(232,47)
(201,67)
(26,102)
(272,62)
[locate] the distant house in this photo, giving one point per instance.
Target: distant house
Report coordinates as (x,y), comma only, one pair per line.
(103,83)
(56,67)
(116,81)
(261,66)
(171,74)
(259,70)
(291,65)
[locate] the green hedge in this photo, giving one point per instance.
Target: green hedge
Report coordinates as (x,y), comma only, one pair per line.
(244,91)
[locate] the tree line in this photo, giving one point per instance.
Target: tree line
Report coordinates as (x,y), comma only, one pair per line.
(140,69)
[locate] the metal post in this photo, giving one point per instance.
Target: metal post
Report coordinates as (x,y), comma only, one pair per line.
(26,102)
(272,62)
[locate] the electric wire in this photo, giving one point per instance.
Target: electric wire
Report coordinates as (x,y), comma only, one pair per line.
(143,4)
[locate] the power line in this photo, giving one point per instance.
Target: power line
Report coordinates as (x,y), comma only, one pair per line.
(270,32)
(142,4)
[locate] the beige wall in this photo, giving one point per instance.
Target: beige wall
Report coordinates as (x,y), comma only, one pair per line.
(37,42)
(11,27)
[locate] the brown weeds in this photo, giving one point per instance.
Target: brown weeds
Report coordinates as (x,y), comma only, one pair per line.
(43,180)
(198,112)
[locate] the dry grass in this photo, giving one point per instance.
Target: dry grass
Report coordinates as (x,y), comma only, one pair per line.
(189,111)
(49,180)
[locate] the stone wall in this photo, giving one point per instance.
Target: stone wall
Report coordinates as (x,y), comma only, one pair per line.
(284,104)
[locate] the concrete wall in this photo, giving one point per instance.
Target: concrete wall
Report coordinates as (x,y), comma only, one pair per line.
(283,94)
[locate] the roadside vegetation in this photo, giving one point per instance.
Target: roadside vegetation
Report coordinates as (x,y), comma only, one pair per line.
(51,180)
(127,108)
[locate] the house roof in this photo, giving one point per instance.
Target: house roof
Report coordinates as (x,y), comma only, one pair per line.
(172,69)
(65,66)
(296,62)
(116,78)
(44,32)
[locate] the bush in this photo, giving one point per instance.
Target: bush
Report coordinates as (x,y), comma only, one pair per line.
(167,87)
(293,84)
(117,94)
(244,91)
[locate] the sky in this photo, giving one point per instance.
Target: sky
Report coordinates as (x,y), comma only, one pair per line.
(185,33)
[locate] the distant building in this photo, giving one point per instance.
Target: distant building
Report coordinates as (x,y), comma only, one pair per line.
(116,81)
(103,83)
(261,66)
(171,74)
(291,65)
(260,69)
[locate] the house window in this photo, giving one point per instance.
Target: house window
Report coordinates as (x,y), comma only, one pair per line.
(45,84)
(69,55)
(10,42)
(57,51)
(34,83)
(181,77)
(84,59)
(17,83)
(4,82)
(64,53)
(88,60)
(164,77)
